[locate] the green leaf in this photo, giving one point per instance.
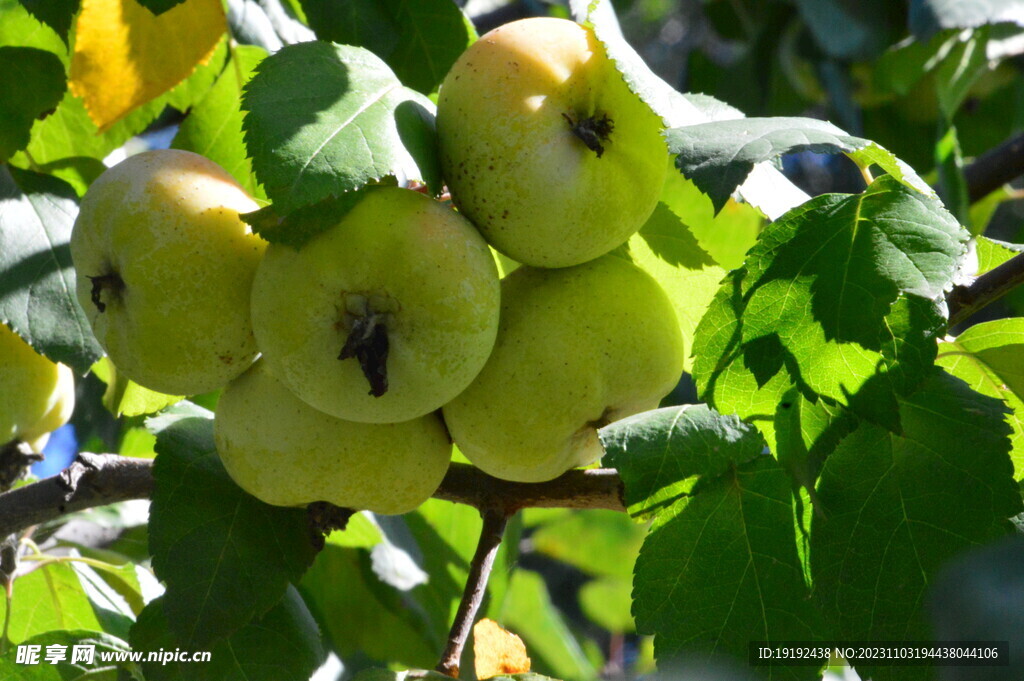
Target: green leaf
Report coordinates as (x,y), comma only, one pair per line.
(213,127)
(747,380)
(658,453)
(806,432)
(992,253)
(529,613)
(225,556)
(726,235)
(896,507)
(720,569)
(949,161)
(718,156)
(194,89)
(325,119)
(66,670)
(600,543)
(48,598)
(844,287)
(666,249)
(126,397)
(283,645)
(963,60)
(37,289)
(301,225)
(359,614)
(607,603)
(31,85)
(930,16)
(989,357)
(418,39)
(21,29)
(57,14)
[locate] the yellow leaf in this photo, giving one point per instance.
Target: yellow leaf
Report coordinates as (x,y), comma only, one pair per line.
(497,651)
(125,55)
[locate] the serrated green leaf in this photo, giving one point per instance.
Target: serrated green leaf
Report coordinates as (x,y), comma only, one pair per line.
(71,668)
(213,127)
(57,14)
(22,29)
(283,645)
(551,645)
(896,507)
(658,453)
(419,39)
(126,397)
(806,432)
(989,357)
(306,222)
(597,542)
(992,253)
(720,569)
(844,287)
(325,119)
(48,598)
(78,171)
(31,85)
(929,16)
(225,556)
(727,235)
(667,250)
(37,289)
(747,380)
(718,156)
(959,68)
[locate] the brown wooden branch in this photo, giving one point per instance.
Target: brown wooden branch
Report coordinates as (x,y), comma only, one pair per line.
(994,168)
(99,479)
(491,534)
(966,300)
(91,480)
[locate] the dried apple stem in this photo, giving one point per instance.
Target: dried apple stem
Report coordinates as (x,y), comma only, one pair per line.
(491,535)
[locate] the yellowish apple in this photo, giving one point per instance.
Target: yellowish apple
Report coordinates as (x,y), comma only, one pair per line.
(36,395)
(577,348)
(543,145)
(165,269)
(384,317)
(284,452)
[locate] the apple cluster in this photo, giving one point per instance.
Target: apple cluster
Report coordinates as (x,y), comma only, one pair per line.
(352,362)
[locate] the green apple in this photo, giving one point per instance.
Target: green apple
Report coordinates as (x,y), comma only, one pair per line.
(385,316)
(36,395)
(165,269)
(543,145)
(577,348)
(284,452)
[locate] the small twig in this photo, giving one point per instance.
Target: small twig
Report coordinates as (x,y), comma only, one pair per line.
(966,300)
(495,520)
(994,168)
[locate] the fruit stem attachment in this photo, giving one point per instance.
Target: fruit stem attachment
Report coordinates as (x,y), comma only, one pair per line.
(111,282)
(592,131)
(491,534)
(368,342)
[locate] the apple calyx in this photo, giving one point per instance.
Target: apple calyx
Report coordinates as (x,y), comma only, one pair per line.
(367,341)
(111,281)
(593,131)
